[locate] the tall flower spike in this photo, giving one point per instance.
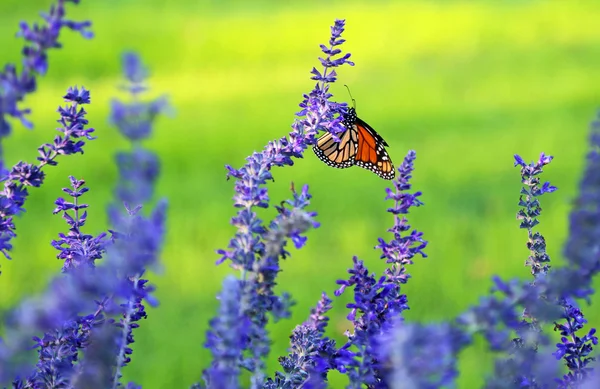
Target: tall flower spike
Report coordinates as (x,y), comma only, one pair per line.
(73,131)
(138,171)
(521,307)
(136,249)
(582,249)
(538,260)
(253,251)
(226,338)
(40,38)
(139,168)
(379,302)
(58,349)
(76,248)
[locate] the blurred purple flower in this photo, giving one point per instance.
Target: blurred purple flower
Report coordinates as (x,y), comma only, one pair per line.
(135,119)
(582,249)
(411,355)
(226,337)
(40,38)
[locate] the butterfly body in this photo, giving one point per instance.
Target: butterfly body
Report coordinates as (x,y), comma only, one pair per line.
(359,145)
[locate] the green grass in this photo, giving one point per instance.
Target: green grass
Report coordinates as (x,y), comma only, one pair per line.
(465,84)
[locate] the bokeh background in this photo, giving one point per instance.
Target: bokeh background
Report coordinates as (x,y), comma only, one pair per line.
(465,84)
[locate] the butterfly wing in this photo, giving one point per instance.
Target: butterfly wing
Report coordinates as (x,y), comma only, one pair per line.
(338,154)
(371,153)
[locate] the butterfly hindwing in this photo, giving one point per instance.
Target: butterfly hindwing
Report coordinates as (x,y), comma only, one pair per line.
(337,154)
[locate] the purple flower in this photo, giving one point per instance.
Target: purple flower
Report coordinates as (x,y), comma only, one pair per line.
(23,174)
(418,356)
(573,349)
(378,302)
(226,338)
(523,307)
(40,38)
(58,349)
(139,168)
(76,248)
(582,249)
(310,353)
(531,210)
(255,249)
(113,288)
(136,119)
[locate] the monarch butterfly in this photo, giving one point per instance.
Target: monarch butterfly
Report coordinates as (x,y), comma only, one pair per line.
(359,145)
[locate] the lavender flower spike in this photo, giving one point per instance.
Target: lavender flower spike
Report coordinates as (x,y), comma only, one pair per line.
(58,349)
(226,337)
(138,168)
(40,38)
(73,131)
(378,302)
(253,251)
(531,210)
(76,248)
(582,249)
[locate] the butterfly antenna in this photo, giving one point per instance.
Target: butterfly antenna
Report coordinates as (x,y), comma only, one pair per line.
(353,101)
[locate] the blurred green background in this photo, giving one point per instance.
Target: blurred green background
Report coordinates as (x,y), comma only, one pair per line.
(465,84)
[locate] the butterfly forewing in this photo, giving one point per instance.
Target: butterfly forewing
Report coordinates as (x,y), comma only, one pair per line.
(372,154)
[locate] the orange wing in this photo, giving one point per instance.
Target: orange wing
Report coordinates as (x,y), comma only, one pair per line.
(371,153)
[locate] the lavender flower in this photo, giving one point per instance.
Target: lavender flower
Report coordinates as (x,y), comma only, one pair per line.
(136,249)
(418,356)
(136,119)
(254,251)
(582,249)
(309,353)
(540,301)
(573,349)
(227,334)
(40,38)
(76,248)
(139,168)
(23,174)
(58,350)
(379,302)
(531,210)
(138,172)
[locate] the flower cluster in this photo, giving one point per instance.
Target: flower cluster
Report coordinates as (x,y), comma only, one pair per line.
(531,209)
(73,130)
(256,249)
(58,349)
(88,312)
(40,38)
(76,248)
